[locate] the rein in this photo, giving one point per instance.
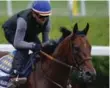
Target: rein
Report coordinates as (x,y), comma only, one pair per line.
(60,62)
(56,60)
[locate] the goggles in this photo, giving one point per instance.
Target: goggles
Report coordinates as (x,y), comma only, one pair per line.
(40,16)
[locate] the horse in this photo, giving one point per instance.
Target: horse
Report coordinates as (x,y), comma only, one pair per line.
(71,54)
(54,69)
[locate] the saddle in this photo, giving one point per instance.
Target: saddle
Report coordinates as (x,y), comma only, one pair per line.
(6,77)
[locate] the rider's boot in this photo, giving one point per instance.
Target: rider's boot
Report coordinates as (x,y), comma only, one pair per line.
(16,69)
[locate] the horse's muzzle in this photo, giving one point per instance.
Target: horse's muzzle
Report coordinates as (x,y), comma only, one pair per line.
(87,76)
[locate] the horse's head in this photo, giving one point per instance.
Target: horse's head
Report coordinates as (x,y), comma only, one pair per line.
(75,50)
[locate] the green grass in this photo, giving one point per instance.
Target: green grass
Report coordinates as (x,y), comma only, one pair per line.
(2,38)
(97,8)
(99,28)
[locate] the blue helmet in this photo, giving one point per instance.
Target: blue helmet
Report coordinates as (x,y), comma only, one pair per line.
(42,7)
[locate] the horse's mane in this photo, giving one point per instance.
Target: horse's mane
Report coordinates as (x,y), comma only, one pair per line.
(65,32)
(59,49)
(49,49)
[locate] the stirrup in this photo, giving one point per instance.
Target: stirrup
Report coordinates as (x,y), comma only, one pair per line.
(69,86)
(16,81)
(20,80)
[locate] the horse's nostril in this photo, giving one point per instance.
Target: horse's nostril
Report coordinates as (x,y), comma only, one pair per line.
(91,74)
(88,73)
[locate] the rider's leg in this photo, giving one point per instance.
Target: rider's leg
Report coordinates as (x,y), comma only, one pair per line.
(18,62)
(17,65)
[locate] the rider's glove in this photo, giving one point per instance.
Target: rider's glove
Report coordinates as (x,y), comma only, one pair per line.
(36,47)
(49,43)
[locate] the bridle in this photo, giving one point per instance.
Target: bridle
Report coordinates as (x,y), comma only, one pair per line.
(71,67)
(76,63)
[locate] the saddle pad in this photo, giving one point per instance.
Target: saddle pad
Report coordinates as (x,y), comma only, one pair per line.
(5,69)
(6,63)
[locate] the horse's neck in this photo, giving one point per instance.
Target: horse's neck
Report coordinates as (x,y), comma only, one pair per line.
(57,72)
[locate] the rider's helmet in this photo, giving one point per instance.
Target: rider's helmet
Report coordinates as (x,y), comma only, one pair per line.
(43,8)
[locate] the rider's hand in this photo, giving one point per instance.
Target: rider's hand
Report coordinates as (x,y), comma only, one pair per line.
(37,47)
(49,43)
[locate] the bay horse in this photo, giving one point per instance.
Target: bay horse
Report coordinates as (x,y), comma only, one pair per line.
(72,54)
(55,70)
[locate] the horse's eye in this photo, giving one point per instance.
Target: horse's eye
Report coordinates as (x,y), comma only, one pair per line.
(76,49)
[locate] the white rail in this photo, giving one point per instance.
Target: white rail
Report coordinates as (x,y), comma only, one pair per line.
(96,50)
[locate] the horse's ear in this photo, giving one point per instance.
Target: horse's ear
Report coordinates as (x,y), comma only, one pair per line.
(86,29)
(75,28)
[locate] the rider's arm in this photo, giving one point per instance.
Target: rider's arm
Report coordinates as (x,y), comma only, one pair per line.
(20,34)
(45,34)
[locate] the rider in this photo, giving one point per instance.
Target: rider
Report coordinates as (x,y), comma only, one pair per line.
(22,30)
